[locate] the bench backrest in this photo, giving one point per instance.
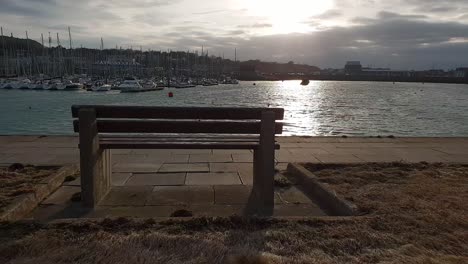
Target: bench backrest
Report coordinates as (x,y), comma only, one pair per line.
(186,120)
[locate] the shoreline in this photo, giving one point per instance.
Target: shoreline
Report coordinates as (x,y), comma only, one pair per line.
(442,80)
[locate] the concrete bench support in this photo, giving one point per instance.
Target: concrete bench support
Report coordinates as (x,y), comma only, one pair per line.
(264,166)
(95,163)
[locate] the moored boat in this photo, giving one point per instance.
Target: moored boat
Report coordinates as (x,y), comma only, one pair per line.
(101,87)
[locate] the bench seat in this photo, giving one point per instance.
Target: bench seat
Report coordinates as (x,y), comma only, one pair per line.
(180,143)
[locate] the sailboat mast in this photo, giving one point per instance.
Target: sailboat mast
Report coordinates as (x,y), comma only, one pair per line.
(72,62)
(4,57)
(70,38)
(42,60)
(29,54)
(59,55)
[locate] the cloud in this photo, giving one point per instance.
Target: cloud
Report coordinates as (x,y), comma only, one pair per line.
(211,12)
(256,25)
(420,32)
(332,13)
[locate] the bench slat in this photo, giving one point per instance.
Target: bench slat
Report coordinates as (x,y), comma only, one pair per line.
(187,136)
(157,139)
(148,126)
(179,145)
(151,112)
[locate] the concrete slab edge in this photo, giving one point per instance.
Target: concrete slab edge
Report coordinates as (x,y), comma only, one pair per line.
(24,204)
(326,198)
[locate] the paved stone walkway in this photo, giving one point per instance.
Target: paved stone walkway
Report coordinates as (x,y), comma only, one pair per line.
(59,150)
(154,183)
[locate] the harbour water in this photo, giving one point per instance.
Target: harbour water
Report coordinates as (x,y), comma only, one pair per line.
(323,108)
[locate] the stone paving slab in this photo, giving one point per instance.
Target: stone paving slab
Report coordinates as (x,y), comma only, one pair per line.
(232,194)
(162,179)
(136,167)
(231,151)
(306,151)
(210,158)
(172,168)
(181,195)
(173,158)
(127,196)
(128,158)
(119,179)
(235,195)
(228,178)
(242,157)
(149,152)
(190,151)
(226,167)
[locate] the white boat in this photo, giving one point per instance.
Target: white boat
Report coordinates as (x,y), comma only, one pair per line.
(72,86)
(24,84)
(9,84)
(56,85)
(38,85)
(230,81)
(150,86)
(101,87)
(132,85)
(187,83)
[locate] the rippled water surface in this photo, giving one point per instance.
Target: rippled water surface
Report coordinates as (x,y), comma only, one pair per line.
(322,108)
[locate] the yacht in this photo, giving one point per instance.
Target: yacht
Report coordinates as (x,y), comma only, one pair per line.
(210,82)
(132,85)
(187,83)
(101,87)
(72,86)
(38,85)
(9,84)
(24,84)
(149,85)
(129,85)
(230,81)
(56,85)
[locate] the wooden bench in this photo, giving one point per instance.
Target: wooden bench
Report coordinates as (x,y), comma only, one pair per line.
(102,128)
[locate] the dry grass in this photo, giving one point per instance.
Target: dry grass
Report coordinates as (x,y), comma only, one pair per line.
(414,214)
(19,180)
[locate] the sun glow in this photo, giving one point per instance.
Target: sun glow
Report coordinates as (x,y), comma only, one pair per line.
(288,16)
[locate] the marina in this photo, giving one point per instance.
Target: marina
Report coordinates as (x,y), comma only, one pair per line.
(26,64)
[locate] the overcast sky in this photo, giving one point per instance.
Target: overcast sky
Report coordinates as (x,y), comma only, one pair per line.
(402,34)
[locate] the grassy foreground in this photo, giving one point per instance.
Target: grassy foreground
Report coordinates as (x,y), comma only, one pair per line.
(18,180)
(411,214)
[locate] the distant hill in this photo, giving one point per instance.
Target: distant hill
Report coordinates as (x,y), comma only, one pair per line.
(13,44)
(258,70)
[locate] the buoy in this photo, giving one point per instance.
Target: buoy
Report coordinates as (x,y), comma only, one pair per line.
(170,94)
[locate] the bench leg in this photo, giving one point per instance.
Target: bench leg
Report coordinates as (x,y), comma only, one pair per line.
(264,167)
(95,163)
